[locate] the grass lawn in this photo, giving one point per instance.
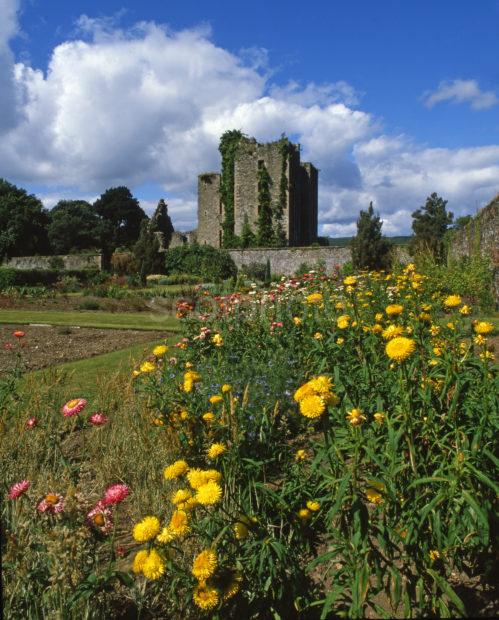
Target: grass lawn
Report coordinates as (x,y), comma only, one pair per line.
(87,377)
(103,320)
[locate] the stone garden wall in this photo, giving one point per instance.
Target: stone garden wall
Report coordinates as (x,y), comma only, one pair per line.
(70,262)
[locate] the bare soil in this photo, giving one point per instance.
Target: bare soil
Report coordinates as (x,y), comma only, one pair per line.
(76,302)
(51,345)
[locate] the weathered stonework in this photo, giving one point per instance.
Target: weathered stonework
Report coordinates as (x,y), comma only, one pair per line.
(299,218)
(69,261)
(480,237)
(286,261)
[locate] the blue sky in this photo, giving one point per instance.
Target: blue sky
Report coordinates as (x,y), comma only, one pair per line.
(391,99)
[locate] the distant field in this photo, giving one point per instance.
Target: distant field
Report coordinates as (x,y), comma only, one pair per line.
(104,320)
(344,241)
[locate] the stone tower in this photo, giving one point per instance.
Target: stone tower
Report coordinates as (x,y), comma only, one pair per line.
(292,186)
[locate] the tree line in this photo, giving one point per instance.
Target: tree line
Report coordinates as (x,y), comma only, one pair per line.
(114,221)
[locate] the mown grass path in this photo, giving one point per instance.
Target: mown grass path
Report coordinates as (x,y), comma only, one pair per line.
(103,320)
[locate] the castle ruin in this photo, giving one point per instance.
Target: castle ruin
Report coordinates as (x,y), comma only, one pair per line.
(259,177)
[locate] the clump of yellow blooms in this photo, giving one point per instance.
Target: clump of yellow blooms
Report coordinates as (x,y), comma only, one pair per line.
(205,597)
(300,455)
(452,301)
(209,493)
(160,350)
(350,281)
(204,565)
(392,331)
(149,563)
(343,321)
(191,377)
(216,450)
(314,298)
(394,309)
(483,328)
(217,340)
(314,396)
(399,349)
(146,367)
(175,470)
(147,529)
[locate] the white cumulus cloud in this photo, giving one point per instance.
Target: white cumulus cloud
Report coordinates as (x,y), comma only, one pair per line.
(461,91)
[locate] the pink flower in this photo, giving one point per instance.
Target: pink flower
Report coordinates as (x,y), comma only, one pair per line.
(100,517)
(115,494)
(31,422)
(17,489)
(51,503)
(72,407)
(8,346)
(98,419)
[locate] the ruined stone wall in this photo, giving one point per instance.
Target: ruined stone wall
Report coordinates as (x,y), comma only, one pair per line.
(69,261)
(286,261)
(480,237)
(299,219)
(209,209)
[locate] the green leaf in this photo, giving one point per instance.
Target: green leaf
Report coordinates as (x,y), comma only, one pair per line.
(447,589)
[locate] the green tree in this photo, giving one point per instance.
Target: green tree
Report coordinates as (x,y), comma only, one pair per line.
(147,253)
(248,238)
(121,216)
(430,223)
(23,222)
(201,260)
(370,249)
(162,223)
(265,231)
(74,226)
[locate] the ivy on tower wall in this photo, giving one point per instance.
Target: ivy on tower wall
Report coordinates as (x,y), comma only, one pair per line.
(228,146)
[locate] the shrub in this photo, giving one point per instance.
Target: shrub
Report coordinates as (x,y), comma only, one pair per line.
(89,304)
(7,277)
(202,260)
(48,277)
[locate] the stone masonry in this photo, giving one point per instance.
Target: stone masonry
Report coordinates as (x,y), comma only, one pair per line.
(299,219)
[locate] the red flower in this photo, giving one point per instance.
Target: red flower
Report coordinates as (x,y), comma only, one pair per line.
(31,422)
(19,334)
(115,494)
(17,489)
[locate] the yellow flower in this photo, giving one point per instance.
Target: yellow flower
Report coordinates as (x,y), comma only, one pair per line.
(350,281)
(147,367)
(312,406)
(232,588)
(179,523)
(339,305)
(394,309)
(192,375)
(318,336)
(209,493)
(153,566)
(399,349)
(204,565)
(179,468)
(379,417)
(197,477)
(217,340)
(392,331)
(378,316)
(226,387)
(340,341)
(188,385)
(343,321)
(182,495)
(434,554)
(216,398)
(302,391)
(373,496)
(146,530)
(160,350)
(297,321)
(304,514)
(434,330)
(483,328)
(138,561)
(465,310)
(209,416)
(314,298)
(300,455)
(240,530)
(313,505)
(377,328)
(355,417)
(205,597)
(452,301)
(479,340)
(321,385)
(215,450)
